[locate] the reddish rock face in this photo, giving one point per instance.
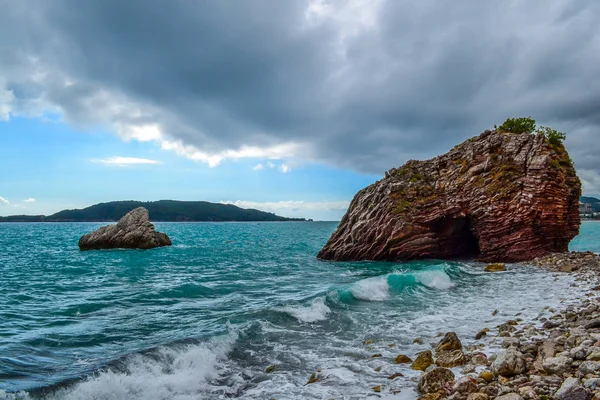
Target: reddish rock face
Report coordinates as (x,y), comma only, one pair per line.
(499,197)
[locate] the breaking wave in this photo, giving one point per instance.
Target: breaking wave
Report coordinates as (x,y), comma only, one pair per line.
(380,288)
(318,311)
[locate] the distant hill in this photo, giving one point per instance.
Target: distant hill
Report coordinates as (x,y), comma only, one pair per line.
(163,210)
(593,201)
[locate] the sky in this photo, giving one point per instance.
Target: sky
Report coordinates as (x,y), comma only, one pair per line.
(285,106)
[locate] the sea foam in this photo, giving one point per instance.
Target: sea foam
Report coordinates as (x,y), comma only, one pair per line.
(434,279)
(181,372)
(371,289)
(318,311)
(378,288)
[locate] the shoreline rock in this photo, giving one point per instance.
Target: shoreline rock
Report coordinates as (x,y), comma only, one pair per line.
(500,197)
(133,231)
(575,261)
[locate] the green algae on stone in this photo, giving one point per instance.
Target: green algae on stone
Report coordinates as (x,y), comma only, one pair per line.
(270,369)
(497,267)
(313,379)
(423,361)
(402,359)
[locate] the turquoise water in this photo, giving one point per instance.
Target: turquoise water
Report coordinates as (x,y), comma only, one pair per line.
(205,317)
(588,239)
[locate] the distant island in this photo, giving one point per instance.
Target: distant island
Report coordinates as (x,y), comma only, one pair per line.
(160,211)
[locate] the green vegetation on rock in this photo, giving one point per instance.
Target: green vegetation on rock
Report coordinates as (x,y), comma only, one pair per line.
(528,125)
(554,137)
(517,125)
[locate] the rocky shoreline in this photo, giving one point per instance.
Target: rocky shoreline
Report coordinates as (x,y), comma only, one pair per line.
(555,357)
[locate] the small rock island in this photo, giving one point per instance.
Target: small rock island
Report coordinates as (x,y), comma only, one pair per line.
(133,231)
(498,197)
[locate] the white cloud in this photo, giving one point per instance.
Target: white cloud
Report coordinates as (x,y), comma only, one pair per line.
(317,210)
(284,168)
(29,200)
(142,133)
(3,201)
(124,161)
(367,87)
(291,205)
(6,99)
(590,181)
(351,17)
(213,159)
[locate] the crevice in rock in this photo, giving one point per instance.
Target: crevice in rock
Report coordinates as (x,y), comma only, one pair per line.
(457,236)
(470,239)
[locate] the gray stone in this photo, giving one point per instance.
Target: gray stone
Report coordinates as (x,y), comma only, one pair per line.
(593,349)
(435,380)
(550,324)
(465,384)
(593,324)
(546,350)
(589,367)
(571,389)
(509,362)
(590,310)
(509,396)
(594,356)
(478,396)
(490,390)
(527,392)
(510,342)
(506,329)
(451,359)
(133,231)
(557,365)
(578,353)
(479,359)
(591,383)
(560,340)
(530,331)
(530,348)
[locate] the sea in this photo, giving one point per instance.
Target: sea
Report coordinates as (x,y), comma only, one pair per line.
(239,310)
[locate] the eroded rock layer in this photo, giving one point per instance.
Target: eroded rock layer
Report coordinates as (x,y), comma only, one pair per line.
(500,197)
(133,231)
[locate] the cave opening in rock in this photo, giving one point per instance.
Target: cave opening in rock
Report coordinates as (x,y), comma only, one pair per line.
(457,237)
(471,241)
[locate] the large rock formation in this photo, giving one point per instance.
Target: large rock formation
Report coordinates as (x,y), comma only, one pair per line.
(498,197)
(133,231)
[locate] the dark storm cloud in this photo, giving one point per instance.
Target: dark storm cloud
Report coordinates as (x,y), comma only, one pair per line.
(361,87)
